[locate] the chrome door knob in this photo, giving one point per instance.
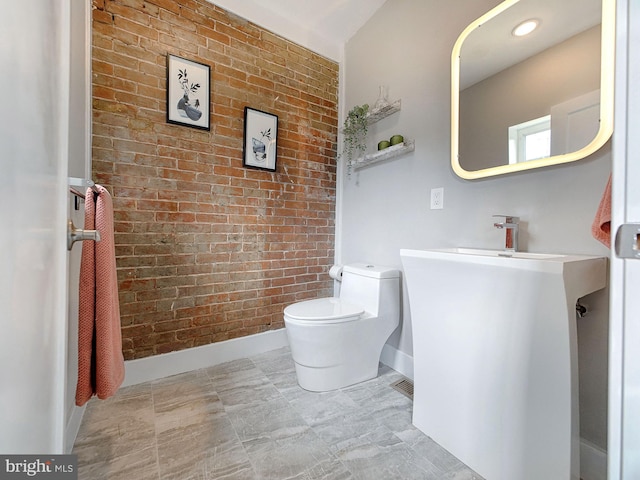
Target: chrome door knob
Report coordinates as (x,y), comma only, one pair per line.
(77,234)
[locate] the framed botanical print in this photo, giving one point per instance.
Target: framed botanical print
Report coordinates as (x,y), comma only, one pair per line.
(188,90)
(260,139)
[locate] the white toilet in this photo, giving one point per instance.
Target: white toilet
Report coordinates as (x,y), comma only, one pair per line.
(336,342)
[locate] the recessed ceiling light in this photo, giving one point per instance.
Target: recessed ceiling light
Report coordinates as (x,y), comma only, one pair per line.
(525,28)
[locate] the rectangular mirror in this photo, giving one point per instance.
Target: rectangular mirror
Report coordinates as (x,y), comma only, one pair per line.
(545,98)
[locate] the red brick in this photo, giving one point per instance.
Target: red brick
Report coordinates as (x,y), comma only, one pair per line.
(101,16)
(209,250)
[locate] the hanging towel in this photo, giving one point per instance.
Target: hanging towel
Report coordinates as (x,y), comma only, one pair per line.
(601,227)
(100,359)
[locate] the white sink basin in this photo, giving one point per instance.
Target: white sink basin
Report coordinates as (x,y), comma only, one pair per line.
(495,356)
(582,274)
(498,253)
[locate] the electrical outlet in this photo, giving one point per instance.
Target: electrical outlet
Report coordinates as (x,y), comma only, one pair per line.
(437,198)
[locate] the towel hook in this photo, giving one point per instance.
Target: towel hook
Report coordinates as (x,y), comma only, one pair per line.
(78,235)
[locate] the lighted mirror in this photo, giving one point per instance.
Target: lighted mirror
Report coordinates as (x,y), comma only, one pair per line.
(539,99)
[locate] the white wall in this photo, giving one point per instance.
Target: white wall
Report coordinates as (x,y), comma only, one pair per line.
(407,46)
(320,25)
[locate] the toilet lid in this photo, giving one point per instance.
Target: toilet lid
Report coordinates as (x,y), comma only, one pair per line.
(323,309)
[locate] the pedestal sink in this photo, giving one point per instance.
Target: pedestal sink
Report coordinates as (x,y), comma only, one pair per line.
(495,356)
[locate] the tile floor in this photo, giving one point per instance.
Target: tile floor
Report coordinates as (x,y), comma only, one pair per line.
(248,419)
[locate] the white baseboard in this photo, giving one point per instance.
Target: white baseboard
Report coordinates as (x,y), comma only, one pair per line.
(593,461)
(158,366)
(73,426)
(399,361)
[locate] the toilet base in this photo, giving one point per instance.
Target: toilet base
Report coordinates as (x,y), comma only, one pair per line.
(324,379)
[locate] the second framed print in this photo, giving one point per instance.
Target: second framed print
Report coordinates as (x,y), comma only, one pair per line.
(260,139)
(188,87)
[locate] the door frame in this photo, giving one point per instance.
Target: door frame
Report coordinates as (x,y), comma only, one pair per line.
(624,327)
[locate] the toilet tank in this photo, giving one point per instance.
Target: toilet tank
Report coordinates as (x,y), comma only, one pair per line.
(375,288)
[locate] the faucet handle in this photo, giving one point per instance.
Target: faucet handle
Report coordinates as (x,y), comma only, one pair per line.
(507,218)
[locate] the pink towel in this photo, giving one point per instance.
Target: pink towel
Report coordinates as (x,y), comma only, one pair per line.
(601,227)
(100,359)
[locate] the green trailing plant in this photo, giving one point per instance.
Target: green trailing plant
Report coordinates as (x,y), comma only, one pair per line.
(355,134)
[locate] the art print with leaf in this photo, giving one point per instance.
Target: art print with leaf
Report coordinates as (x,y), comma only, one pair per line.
(260,139)
(188,92)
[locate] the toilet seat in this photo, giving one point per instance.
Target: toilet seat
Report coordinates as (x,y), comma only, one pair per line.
(323,310)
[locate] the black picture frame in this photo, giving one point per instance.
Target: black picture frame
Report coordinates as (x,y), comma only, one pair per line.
(188,93)
(260,147)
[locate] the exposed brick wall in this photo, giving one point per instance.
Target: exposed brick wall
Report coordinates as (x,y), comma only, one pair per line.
(208,250)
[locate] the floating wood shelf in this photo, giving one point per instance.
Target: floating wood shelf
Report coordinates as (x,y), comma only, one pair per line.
(407,146)
(386,154)
(378,114)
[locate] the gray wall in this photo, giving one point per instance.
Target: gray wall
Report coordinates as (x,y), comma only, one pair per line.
(385,207)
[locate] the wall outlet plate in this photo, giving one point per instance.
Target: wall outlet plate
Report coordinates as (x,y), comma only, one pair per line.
(437,198)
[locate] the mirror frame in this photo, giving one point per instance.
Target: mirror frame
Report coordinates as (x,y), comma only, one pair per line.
(606,98)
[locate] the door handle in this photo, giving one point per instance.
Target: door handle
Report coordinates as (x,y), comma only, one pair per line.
(627,244)
(78,235)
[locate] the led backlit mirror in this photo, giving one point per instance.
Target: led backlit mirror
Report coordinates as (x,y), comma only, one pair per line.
(523,102)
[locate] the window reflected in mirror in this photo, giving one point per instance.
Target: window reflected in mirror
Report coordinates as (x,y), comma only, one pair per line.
(530,140)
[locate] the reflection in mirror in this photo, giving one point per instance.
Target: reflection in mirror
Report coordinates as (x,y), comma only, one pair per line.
(536,100)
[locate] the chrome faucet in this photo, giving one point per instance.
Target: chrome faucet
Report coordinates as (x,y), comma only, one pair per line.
(510,224)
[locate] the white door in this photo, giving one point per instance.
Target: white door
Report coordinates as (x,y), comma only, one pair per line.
(624,341)
(35,146)
(575,123)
